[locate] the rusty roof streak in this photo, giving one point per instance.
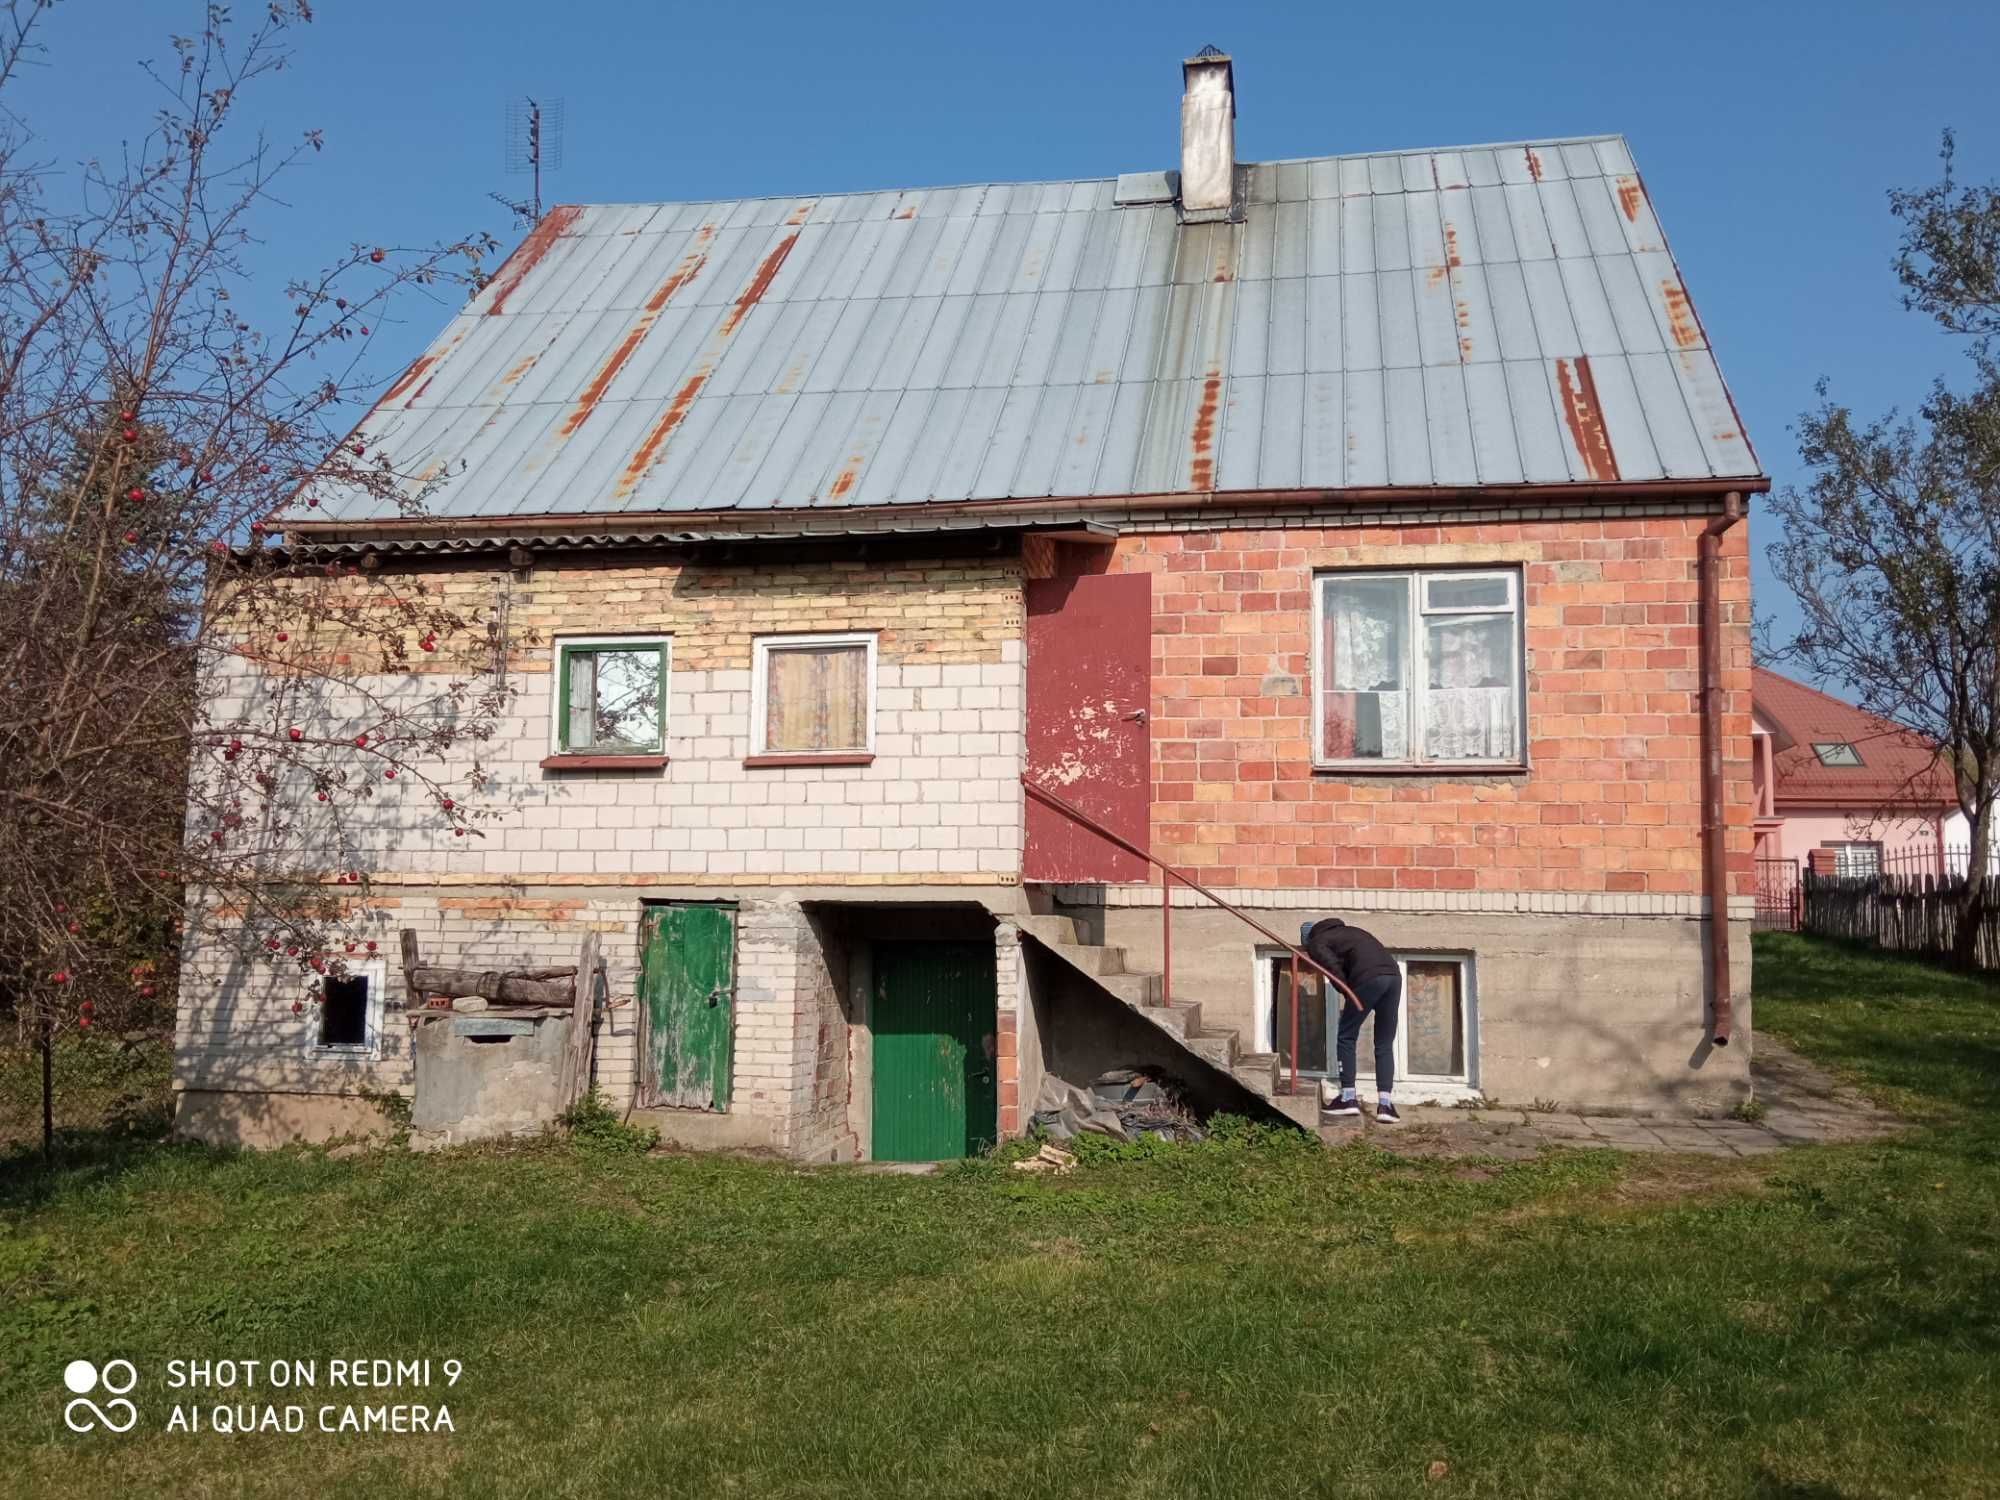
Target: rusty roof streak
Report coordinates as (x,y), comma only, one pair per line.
(1681,316)
(1201,471)
(684,273)
(676,412)
(1630,195)
(528,254)
(1585,418)
(1534,162)
(408,378)
(759,284)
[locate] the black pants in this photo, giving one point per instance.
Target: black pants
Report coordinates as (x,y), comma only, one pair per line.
(1382,998)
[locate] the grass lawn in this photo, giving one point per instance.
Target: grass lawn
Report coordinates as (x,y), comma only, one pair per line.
(1240,1318)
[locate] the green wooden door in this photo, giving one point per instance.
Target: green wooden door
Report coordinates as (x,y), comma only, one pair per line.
(687,982)
(936,1093)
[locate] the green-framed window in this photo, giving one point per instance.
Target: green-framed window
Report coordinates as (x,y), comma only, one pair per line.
(611,696)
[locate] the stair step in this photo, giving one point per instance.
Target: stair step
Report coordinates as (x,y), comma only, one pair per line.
(1179,1020)
(1301,1108)
(1136,990)
(1094,959)
(1051,929)
(1258,1072)
(1216,1047)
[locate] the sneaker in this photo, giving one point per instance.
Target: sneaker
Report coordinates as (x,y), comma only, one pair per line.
(1333,1107)
(1385,1114)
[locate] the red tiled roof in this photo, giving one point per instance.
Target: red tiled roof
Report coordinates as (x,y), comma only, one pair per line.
(1898,768)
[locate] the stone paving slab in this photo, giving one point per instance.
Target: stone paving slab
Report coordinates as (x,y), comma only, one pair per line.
(1804,1105)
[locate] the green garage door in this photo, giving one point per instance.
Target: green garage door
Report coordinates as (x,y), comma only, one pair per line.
(936,1094)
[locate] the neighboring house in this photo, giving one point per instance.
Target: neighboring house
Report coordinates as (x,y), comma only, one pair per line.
(1839,789)
(1356,534)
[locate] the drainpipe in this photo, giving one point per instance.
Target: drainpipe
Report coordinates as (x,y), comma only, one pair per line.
(1714,816)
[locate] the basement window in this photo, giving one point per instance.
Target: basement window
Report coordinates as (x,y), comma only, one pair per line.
(1436,1037)
(812,699)
(611,696)
(1836,753)
(347,1016)
(1417,669)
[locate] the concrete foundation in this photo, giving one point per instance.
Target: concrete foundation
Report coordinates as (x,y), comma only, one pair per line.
(1592,1012)
(263,1121)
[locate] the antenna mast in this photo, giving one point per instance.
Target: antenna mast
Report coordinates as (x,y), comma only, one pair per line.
(534,140)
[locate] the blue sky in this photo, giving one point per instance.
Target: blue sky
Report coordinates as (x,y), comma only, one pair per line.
(1767,134)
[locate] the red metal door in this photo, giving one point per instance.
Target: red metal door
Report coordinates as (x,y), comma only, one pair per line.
(1090,689)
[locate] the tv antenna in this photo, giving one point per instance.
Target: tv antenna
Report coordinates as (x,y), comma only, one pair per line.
(534,138)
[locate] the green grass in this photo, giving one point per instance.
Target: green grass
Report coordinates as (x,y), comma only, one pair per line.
(1248,1317)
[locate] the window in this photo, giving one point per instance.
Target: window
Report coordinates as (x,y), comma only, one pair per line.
(1417,669)
(1435,1037)
(612,696)
(813,696)
(1836,753)
(347,1019)
(1856,860)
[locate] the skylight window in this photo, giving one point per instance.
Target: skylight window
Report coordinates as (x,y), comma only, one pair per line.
(1836,753)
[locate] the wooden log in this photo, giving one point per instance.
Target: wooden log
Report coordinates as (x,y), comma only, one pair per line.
(493,984)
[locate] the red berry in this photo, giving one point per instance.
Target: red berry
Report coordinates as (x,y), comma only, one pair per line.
(446,804)
(360,449)
(291,950)
(146,991)
(296,733)
(272,944)
(298,1006)
(131,536)
(371,947)
(257,528)
(350,947)
(83,1022)
(128,416)
(282,636)
(376,256)
(263,468)
(131,434)
(312,502)
(61,976)
(235,747)
(364,327)
(361,742)
(388,775)
(60,907)
(74,927)
(322,796)
(135,494)
(458,833)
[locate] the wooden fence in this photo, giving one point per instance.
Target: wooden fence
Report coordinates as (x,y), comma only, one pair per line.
(1913,914)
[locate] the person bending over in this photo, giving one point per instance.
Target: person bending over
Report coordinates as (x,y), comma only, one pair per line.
(1357,959)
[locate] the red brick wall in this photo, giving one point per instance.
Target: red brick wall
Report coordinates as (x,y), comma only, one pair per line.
(1612,799)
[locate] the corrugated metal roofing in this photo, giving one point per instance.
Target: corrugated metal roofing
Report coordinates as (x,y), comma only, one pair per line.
(1897,768)
(1482,316)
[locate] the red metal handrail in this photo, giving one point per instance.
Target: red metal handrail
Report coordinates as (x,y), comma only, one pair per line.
(1168,874)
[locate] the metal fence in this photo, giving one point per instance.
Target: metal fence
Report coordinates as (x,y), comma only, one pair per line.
(1778,895)
(1913,903)
(83,1086)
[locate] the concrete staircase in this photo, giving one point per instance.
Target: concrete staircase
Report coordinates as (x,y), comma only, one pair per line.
(1220,1047)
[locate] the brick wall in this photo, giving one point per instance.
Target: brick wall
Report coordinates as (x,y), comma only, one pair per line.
(1612,800)
(939,805)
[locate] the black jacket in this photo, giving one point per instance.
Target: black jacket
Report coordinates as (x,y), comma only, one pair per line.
(1348,953)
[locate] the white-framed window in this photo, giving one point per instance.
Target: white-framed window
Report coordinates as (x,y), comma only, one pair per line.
(813,695)
(1855,860)
(611,695)
(1437,1045)
(346,1019)
(1418,668)
(1836,753)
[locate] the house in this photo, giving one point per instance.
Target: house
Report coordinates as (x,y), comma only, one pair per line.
(1839,789)
(1353,535)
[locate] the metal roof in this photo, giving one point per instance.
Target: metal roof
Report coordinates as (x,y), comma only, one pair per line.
(1497,315)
